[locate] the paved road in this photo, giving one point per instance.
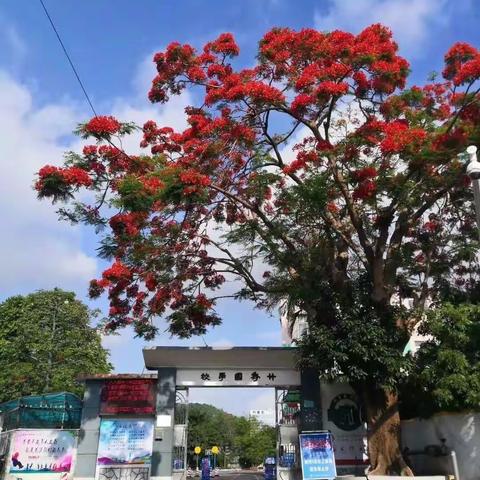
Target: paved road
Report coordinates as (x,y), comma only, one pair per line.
(234,475)
(241,475)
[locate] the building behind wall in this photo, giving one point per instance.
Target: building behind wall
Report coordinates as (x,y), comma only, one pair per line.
(264,416)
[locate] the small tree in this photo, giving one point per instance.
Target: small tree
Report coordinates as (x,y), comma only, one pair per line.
(254,442)
(209,426)
(373,199)
(46,341)
(446,372)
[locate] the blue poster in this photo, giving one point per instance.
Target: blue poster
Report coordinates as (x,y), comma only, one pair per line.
(125,442)
(318,460)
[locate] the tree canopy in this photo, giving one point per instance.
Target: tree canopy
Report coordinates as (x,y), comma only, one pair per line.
(374,184)
(316,173)
(46,342)
(446,371)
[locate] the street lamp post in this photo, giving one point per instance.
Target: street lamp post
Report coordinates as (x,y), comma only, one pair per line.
(473,171)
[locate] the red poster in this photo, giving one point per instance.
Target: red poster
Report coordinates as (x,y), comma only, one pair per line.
(135,396)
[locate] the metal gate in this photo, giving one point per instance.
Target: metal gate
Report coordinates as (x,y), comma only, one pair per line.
(287,410)
(180,434)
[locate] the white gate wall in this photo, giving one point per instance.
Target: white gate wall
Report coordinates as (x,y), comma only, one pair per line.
(461,432)
(341,412)
(179,435)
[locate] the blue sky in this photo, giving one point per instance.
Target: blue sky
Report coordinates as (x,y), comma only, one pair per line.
(111,43)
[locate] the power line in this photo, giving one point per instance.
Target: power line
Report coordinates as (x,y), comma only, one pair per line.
(76,73)
(68,57)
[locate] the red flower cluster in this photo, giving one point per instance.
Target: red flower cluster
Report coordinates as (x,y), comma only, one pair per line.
(309,151)
(262,93)
(469,72)
(302,102)
(399,136)
(365,174)
(239,86)
(214,281)
(294,166)
(203,302)
(319,65)
(102,126)
(48,170)
(152,185)
(109,151)
(97,287)
(365,190)
(76,176)
(224,44)
(328,64)
(118,271)
(324,145)
(114,158)
(192,177)
(70,176)
(361,83)
(329,88)
(182,61)
(196,74)
(151,282)
(89,150)
(431,226)
(462,63)
(302,160)
(456,138)
(126,223)
(371,131)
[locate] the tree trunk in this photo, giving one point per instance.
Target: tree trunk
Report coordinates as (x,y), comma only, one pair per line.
(383,435)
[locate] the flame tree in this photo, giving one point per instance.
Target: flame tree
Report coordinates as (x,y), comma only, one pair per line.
(371,205)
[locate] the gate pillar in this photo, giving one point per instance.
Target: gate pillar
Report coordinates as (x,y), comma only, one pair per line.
(164,425)
(311,407)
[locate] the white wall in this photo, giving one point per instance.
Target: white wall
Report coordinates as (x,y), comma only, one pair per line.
(350,443)
(462,434)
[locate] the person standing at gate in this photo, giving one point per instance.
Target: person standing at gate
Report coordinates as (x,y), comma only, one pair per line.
(206,469)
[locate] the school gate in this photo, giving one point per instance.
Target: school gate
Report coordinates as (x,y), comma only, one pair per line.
(151,411)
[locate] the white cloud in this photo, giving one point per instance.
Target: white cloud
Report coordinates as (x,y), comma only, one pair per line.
(36,251)
(14,43)
(410,20)
(145,73)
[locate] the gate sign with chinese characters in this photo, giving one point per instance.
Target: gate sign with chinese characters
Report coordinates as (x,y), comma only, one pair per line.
(237,378)
(132,396)
(318,460)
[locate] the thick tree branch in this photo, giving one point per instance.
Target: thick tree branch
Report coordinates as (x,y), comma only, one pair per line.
(256,210)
